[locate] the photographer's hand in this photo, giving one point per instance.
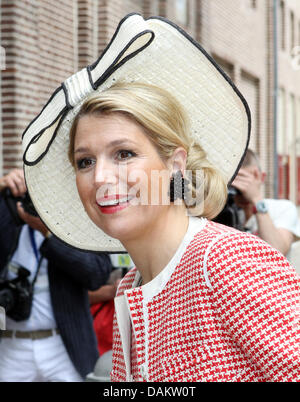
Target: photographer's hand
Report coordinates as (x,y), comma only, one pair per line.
(15,181)
(249,184)
(33,221)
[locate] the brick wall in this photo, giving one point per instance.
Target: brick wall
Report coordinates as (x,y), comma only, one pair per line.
(39,43)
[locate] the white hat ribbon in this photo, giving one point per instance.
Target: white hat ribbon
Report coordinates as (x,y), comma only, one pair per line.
(131,37)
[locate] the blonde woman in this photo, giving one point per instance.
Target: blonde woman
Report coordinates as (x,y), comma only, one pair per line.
(151,155)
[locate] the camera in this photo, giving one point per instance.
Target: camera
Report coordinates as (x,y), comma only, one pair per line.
(231,215)
(11,202)
(16,294)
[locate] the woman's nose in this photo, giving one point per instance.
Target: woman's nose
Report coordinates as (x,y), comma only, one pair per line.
(105,173)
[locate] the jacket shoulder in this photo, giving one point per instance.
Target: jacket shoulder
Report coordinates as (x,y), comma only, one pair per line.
(239,254)
(127,282)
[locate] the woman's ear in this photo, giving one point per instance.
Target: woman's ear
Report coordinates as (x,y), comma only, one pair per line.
(177,162)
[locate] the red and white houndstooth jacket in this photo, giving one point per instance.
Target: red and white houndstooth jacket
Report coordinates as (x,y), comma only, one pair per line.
(226,308)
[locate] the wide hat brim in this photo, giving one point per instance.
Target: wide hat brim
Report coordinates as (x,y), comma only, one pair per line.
(153,51)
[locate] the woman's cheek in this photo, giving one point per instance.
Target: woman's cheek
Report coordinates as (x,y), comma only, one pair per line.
(82,189)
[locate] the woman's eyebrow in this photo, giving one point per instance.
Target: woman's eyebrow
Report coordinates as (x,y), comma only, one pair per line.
(81,150)
(111,145)
(121,142)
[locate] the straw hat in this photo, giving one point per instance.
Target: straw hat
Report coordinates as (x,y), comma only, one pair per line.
(153,51)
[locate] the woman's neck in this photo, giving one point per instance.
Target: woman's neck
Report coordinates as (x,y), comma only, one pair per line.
(152,252)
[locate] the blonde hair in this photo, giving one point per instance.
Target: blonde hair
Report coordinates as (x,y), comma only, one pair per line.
(166,125)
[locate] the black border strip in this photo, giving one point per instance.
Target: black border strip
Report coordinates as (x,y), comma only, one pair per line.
(93,65)
(69,106)
(61,115)
(115,65)
(44,107)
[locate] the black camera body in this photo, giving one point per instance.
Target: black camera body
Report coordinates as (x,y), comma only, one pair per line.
(16,295)
(231,215)
(11,202)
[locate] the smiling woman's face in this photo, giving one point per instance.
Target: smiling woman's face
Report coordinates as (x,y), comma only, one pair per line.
(114,162)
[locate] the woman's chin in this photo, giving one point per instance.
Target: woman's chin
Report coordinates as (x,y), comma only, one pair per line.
(117,230)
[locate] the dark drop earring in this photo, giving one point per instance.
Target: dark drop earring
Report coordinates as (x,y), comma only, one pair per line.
(178,186)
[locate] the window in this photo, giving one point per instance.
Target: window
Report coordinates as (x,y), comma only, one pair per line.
(2,58)
(249,86)
(281,23)
(298,150)
(181,12)
(281,141)
(282,152)
(291,143)
(292,30)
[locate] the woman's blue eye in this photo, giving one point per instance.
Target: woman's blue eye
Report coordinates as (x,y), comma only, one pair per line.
(125,154)
(84,163)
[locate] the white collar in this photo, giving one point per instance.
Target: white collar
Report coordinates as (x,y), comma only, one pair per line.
(157,284)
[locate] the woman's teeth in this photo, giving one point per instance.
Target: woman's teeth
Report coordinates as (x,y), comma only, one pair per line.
(113,202)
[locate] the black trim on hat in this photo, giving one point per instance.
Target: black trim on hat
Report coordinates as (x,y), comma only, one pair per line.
(93,65)
(68,104)
(61,115)
(115,66)
(44,107)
